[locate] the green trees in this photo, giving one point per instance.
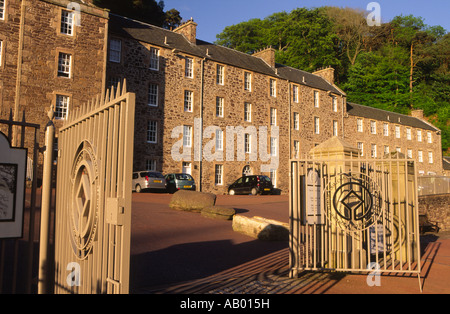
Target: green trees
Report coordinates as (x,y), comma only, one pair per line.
(400,66)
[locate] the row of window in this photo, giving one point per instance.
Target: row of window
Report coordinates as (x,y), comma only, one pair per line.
(152,138)
(409,152)
(115,55)
(397,130)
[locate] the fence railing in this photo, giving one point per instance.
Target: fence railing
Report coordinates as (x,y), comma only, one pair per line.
(431,185)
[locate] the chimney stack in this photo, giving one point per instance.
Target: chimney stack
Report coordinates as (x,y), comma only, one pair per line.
(189,30)
(267,55)
(417,114)
(327,74)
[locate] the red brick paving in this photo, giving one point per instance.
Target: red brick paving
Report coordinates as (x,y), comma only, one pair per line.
(179,252)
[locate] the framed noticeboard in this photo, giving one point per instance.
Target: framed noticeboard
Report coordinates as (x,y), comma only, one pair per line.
(12,189)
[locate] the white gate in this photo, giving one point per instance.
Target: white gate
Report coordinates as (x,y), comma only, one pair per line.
(93,203)
(354,215)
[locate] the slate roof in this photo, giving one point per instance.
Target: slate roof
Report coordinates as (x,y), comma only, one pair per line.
(446,163)
(125,27)
(388,116)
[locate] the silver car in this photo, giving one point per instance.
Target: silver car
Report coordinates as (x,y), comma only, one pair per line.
(145,180)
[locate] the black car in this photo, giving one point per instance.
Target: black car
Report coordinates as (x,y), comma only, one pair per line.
(251,185)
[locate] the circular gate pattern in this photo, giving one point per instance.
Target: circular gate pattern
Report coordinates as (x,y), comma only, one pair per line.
(83,218)
(354,202)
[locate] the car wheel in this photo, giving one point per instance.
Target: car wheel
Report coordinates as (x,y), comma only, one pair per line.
(232,192)
(138,189)
(254,191)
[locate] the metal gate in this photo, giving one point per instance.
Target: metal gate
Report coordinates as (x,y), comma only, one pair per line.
(18,254)
(354,215)
(93,202)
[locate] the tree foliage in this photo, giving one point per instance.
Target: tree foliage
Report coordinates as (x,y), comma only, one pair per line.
(399,66)
(148,11)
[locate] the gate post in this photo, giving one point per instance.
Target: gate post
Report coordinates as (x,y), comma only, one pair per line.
(45,257)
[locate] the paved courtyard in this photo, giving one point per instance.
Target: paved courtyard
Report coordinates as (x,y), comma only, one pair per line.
(177,252)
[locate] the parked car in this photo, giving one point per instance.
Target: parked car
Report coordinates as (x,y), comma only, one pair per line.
(179,181)
(145,180)
(256,184)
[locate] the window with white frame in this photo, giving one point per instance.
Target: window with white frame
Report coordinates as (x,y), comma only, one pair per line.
(154,59)
(115,50)
(359,125)
(219,107)
(296,121)
(66,22)
(316,99)
(188,100)
(397,131)
(361,148)
(2,9)
(386,149)
(273,177)
(1,52)
(220,74)
(247,81)
(273,116)
(247,112)
(187,136)
(373,152)
(430,138)
(150,165)
(189,68)
(430,157)
(420,155)
(419,135)
(373,127)
(316,125)
(398,149)
(295,93)
(335,128)
(152,132)
(61,107)
(218,175)
(273,146)
(335,104)
(153,95)
(247,143)
(273,88)
(386,129)
(409,153)
(219,140)
(64,64)
(296,149)
(408,134)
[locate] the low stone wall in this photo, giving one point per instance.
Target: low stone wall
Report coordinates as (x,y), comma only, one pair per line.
(261,228)
(437,208)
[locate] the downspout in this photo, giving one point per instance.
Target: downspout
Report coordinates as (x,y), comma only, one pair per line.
(290,118)
(202,87)
(19,66)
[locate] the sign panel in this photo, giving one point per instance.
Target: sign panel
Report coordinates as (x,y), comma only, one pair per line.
(313,198)
(12,189)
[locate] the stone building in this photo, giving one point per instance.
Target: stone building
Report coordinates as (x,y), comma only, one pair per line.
(51,53)
(204,109)
(200,108)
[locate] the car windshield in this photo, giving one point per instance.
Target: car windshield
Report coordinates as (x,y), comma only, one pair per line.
(183,177)
(152,175)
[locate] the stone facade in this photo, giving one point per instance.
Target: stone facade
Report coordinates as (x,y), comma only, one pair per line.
(31,43)
(179,81)
(437,209)
(309,108)
(387,132)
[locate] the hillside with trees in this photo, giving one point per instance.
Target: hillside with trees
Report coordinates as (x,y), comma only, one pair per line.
(399,66)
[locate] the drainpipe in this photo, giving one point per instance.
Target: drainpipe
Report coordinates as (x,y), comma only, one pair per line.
(19,68)
(200,163)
